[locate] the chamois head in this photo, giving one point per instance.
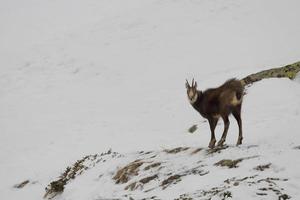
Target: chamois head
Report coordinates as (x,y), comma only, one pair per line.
(192,92)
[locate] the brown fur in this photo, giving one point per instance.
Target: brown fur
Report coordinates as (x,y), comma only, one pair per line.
(218,102)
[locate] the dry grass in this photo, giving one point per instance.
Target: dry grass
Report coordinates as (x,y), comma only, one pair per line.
(124,174)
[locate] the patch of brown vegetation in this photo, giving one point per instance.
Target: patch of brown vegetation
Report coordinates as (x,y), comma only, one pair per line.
(195,171)
(215,191)
(184,197)
(171,180)
(145,153)
(157,164)
(148,179)
(228,163)
(131,186)
(232,163)
(140,183)
(271,180)
(196,151)
(236,181)
(123,175)
(21,185)
(58,186)
(176,150)
(262,167)
(217,149)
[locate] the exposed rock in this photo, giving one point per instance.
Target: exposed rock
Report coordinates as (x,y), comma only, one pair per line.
(297,147)
(261,194)
(288,71)
(284,197)
(193,128)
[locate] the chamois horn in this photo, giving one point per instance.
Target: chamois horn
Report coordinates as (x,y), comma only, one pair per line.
(187,83)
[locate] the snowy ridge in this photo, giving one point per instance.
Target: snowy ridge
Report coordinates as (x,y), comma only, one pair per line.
(185,173)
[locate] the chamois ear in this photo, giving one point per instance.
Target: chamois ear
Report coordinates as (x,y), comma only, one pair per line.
(195,86)
(187,85)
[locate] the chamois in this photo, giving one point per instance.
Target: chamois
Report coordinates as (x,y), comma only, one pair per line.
(218,102)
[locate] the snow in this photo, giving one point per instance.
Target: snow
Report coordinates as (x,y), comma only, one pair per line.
(81,77)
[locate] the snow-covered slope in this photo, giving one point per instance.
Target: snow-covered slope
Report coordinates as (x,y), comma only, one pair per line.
(183,173)
(80,77)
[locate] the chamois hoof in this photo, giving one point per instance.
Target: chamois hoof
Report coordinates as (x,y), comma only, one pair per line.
(239,142)
(220,143)
(212,144)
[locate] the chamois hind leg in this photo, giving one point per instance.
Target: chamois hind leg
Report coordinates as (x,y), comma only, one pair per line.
(212,124)
(226,126)
(237,115)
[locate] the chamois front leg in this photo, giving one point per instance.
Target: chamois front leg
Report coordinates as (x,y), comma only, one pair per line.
(212,124)
(237,115)
(224,135)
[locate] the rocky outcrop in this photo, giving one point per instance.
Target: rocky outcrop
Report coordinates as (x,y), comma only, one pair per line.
(288,71)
